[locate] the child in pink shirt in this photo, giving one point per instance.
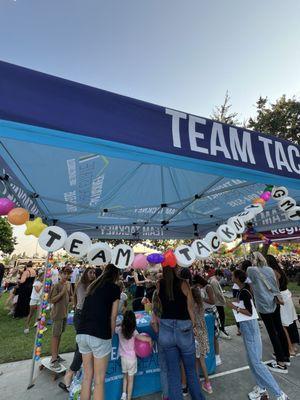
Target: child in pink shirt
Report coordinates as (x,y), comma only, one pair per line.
(127,333)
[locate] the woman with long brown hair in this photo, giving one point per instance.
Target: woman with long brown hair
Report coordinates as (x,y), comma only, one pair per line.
(80,291)
(24,291)
(176,333)
(96,327)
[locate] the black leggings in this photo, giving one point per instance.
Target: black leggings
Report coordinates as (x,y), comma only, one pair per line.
(77,358)
(222,317)
(277,335)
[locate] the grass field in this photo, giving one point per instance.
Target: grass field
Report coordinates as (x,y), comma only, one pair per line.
(15,345)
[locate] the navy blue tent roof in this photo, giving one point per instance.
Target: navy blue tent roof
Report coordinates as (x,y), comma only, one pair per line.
(113,166)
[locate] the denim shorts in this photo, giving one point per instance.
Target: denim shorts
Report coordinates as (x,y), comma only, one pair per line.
(91,344)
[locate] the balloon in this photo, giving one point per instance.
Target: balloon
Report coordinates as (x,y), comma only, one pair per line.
(279,192)
(122,256)
(259,200)
(6,205)
(170,259)
(185,256)
(35,227)
(52,238)
(295,214)
(287,204)
(213,240)
(265,196)
(237,224)
(155,258)
(255,209)
(201,249)
(246,215)
(18,216)
(142,349)
(226,233)
(140,261)
(78,244)
(99,254)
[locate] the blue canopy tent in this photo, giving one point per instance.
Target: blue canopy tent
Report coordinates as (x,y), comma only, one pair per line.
(115,167)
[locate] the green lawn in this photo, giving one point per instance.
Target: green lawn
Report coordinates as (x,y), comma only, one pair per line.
(17,346)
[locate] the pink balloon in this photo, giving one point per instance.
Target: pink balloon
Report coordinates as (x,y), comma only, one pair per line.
(142,349)
(265,196)
(6,205)
(140,261)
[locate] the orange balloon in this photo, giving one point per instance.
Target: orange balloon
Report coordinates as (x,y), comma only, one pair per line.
(259,201)
(18,216)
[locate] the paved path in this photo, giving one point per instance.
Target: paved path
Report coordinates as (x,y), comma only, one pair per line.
(232,380)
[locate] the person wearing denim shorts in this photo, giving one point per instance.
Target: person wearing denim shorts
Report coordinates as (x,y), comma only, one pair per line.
(96,326)
(176,335)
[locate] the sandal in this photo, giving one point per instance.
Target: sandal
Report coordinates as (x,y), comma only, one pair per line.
(64,387)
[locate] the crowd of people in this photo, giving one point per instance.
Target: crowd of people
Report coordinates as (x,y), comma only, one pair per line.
(177,299)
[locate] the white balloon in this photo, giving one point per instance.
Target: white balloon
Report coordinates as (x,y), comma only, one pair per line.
(237,224)
(122,256)
(213,240)
(78,244)
(278,192)
(226,233)
(287,204)
(246,215)
(255,208)
(293,216)
(201,249)
(52,238)
(185,256)
(99,254)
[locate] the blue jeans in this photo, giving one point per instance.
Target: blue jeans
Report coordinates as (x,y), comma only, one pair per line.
(163,371)
(177,340)
(252,340)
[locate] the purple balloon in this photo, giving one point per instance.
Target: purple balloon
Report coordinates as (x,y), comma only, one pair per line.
(155,258)
(6,205)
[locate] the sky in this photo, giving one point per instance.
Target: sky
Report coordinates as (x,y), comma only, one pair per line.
(179,54)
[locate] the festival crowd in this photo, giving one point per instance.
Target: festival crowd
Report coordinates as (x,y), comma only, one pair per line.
(177,299)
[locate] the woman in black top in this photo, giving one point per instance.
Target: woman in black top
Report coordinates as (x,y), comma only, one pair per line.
(288,313)
(176,336)
(95,330)
(252,341)
(140,282)
(24,291)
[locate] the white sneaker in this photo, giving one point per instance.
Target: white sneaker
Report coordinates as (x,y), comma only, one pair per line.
(124,396)
(218,360)
(257,393)
(282,397)
(224,335)
(26,331)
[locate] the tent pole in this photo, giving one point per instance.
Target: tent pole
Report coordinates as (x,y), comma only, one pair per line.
(31,384)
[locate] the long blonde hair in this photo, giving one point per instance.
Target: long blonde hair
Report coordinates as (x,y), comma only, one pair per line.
(258,260)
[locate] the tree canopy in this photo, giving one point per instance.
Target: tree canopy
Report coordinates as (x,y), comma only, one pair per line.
(281,119)
(7,240)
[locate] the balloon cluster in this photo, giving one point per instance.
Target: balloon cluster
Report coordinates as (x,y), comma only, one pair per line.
(19,216)
(286,203)
(42,320)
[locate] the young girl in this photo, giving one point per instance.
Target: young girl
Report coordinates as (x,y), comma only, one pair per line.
(35,300)
(127,333)
(201,338)
(252,341)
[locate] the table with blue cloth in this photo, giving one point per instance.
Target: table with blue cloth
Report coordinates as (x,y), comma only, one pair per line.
(147,379)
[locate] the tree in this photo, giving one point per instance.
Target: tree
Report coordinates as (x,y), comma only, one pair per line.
(223,112)
(7,241)
(281,118)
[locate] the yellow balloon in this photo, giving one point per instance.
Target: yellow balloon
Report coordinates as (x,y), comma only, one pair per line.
(35,227)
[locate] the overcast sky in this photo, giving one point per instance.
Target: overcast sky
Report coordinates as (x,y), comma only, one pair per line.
(175,53)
